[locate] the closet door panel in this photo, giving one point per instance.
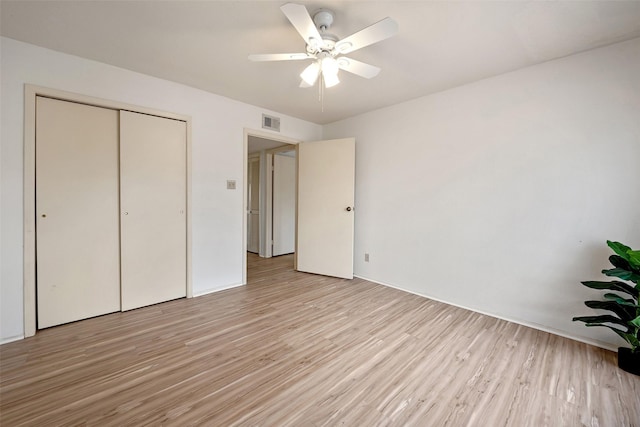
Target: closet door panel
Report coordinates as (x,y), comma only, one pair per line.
(77,218)
(153,209)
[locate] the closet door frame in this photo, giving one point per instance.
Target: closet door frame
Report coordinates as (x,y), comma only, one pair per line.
(29,232)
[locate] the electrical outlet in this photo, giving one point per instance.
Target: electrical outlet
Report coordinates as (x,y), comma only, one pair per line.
(366,257)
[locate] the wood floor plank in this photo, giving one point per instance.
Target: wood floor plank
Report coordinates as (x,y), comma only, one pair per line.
(295,349)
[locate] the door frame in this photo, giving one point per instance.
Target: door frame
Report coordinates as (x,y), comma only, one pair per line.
(265,135)
(29,159)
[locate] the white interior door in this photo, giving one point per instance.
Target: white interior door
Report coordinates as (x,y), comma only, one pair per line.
(77,221)
(153,209)
(326,183)
(284,204)
(253,212)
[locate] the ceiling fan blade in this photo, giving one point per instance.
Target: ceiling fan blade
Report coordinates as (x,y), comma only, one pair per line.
(379,31)
(278,57)
(300,18)
(358,68)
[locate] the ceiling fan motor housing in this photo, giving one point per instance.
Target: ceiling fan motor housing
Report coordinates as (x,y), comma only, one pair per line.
(323,18)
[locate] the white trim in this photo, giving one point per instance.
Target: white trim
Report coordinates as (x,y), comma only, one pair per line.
(532,325)
(245,156)
(29,212)
(11,339)
(189,210)
(245,195)
(29,248)
(213,291)
(262,217)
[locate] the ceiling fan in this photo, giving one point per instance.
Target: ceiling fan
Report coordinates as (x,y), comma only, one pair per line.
(326,49)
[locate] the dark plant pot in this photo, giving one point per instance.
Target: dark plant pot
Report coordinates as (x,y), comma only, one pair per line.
(629,361)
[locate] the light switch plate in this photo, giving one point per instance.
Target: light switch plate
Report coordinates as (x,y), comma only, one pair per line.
(231,184)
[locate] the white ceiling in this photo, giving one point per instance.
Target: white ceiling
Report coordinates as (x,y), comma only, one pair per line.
(205,44)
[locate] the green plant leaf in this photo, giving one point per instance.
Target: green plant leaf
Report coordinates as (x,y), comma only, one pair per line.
(619,248)
(626,263)
(619,262)
(622,274)
(624,313)
(613,286)
(630,338)
(604,318)
(634,258)
(622,301)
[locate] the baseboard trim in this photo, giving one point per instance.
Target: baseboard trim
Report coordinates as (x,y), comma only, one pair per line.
(606,346)
(543,328)
(213,291)
(195,295)
(11,339)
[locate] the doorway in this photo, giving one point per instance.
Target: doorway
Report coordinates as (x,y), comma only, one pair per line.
(270,178)
(324,217)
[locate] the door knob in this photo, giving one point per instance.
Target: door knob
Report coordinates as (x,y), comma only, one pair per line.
(348,208)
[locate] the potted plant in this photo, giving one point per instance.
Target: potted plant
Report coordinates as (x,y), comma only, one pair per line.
(625,320)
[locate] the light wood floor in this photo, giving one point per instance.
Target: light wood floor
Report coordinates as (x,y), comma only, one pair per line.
(303,350)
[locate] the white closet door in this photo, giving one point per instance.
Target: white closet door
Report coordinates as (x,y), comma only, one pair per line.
(284,204)
(77,251)
(153,209)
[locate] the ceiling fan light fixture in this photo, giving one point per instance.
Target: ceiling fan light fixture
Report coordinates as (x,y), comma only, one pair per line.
(330,80)
(329,66)
(310,74)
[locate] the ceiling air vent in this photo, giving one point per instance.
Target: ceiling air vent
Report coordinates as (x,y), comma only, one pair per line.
(271,123)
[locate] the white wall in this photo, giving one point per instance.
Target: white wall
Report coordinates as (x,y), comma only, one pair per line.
(217,154)
(499,195)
